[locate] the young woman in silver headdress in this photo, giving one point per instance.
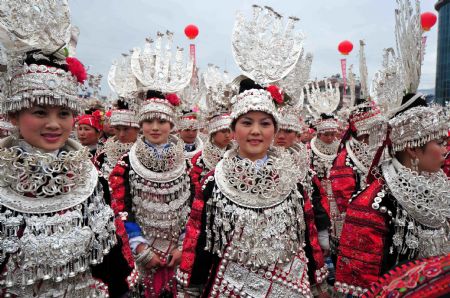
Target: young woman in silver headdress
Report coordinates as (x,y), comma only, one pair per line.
(246,232)
(57,234)
(151,193)
(126,128)
(55,227)
(403,214)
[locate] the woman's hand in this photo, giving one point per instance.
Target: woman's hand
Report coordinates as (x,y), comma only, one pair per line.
(154,262)
(176,258)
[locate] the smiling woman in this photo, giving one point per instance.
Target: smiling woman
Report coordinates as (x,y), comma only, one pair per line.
(253,189)
(46,128)
(47,179)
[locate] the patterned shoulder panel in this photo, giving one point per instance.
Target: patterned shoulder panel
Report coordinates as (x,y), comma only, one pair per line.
(362,243)
(343,180)
(419,278)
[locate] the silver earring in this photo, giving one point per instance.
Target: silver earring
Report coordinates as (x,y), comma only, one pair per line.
(415,164)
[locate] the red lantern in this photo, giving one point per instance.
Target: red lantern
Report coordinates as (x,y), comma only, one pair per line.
(427,20)
(191,31)
(345,47)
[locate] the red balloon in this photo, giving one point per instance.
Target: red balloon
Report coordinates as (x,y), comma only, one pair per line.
(191,31)
(427,20)
(345,47)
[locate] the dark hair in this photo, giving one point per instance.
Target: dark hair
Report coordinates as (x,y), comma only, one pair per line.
(34,57)
(248,84)
(418,102)
(154,94)
(122,105)
(324,116)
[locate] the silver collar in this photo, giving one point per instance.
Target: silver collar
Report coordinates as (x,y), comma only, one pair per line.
(163,166)
(425,196)
(254,186)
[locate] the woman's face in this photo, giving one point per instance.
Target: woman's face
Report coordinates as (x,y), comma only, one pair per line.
(126,134)
(87,135)
(285,138)
(254,133)
(328,137)
(156,131)
(188,135)
(44,127)
(222,138)
(432,155)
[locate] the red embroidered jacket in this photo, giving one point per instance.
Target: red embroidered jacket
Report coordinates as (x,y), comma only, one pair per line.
(343,181)
(366,241)
(198,267)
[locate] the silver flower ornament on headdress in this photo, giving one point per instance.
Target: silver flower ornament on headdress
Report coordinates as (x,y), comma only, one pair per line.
(38,29)
(263,47)
(157,68)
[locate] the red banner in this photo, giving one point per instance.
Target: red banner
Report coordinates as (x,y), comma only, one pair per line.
(192,52)
(344,74)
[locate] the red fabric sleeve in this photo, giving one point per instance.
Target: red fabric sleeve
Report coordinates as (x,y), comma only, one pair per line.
(311,229)
(343,181)
(362,242)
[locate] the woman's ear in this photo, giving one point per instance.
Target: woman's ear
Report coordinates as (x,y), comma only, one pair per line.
(14,118)
(411,152)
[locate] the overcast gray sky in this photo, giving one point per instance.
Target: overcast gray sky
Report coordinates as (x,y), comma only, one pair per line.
(111,27)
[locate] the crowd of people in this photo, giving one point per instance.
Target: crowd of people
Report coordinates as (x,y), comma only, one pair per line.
(244,192)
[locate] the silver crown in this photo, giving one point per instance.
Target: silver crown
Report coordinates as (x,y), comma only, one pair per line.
(121,79)
(324,125)
(219,91)
(157,108)
(290,119)
(417,126)
(43,27)
(157,68)
(253,100)
(387,85)
(294,83)
(193,93)
(189,122)
(408,36)
(39,84)
(28,25)
(323,101)
(124,118)
(264,48)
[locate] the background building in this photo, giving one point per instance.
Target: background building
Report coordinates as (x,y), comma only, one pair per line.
(443,52)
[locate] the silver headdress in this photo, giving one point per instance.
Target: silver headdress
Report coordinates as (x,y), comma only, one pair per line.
(408,33)
(124,118)
(121,79)
(253,100)
(189,120)
(157,68)
(218,96)
(37,29)
(293,86)
(323,101)
(263,48)
(159,108)
(265,51)
(417,126)
(294,83)
(387,85)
